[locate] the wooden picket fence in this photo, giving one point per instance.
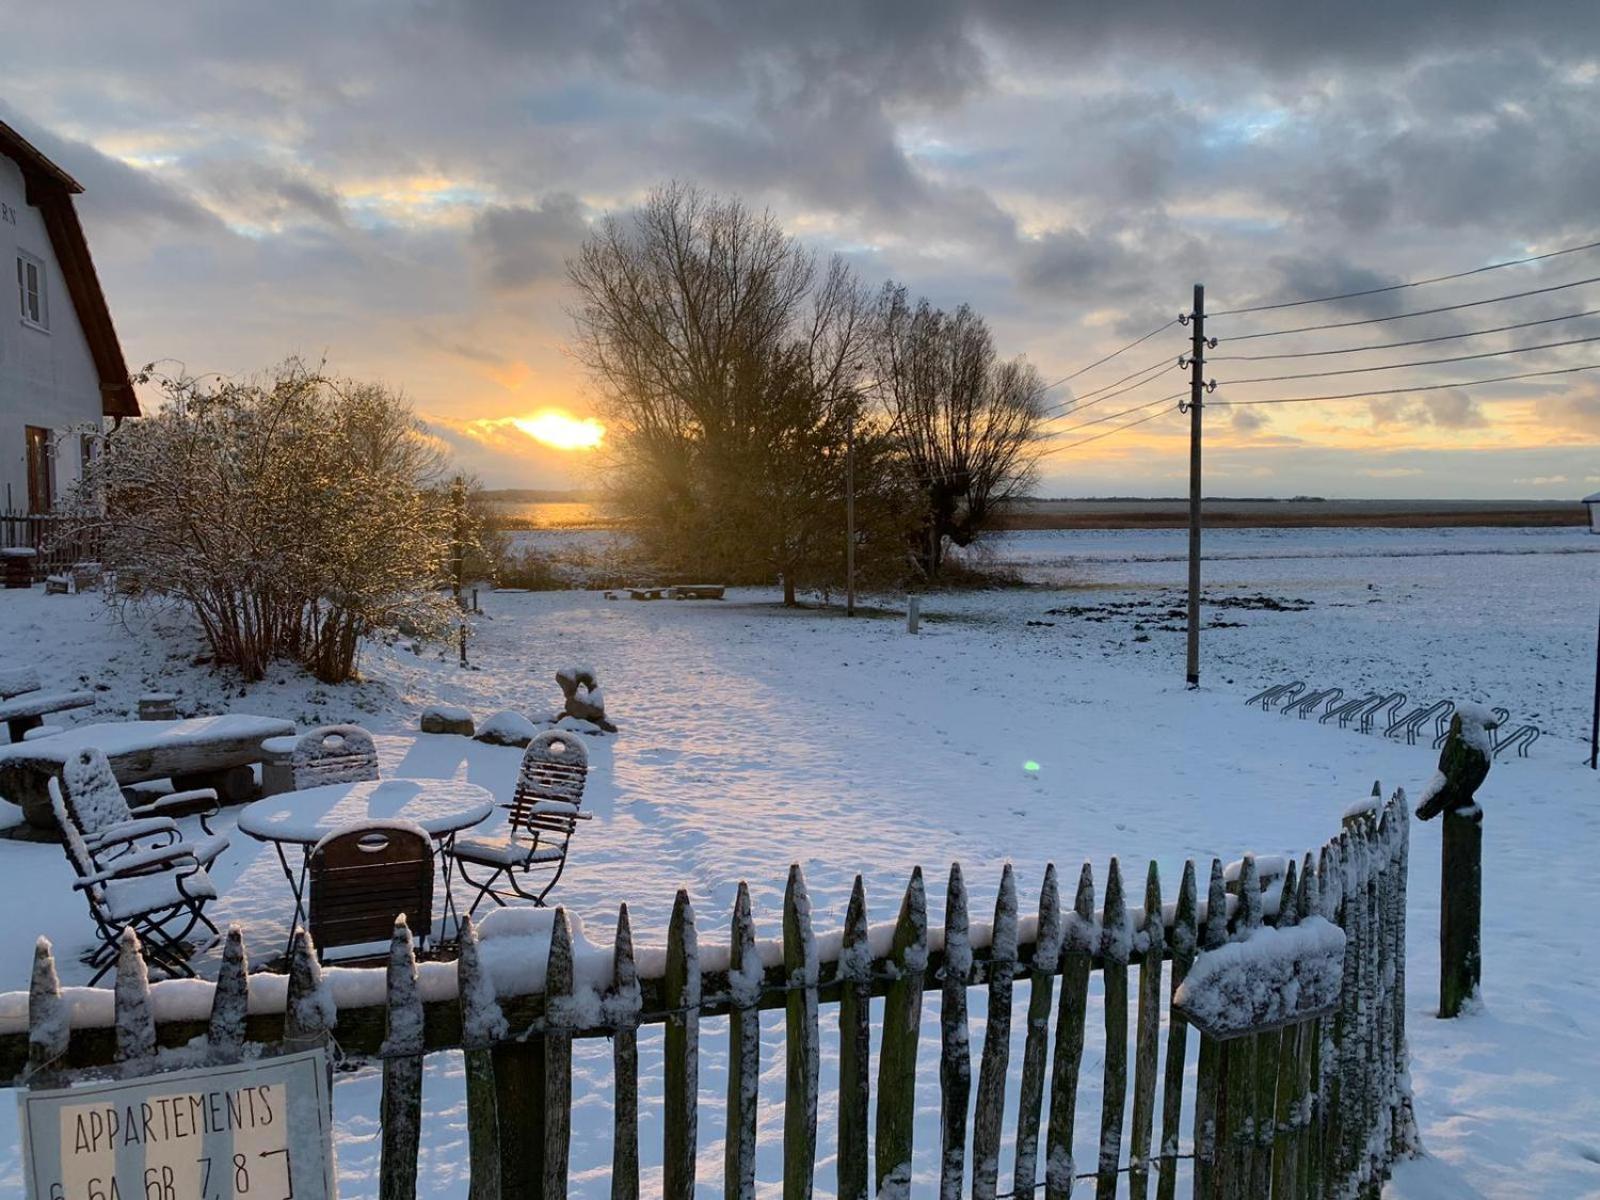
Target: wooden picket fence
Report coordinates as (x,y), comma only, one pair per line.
(1318,1109)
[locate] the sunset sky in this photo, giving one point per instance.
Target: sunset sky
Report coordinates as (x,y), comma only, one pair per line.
(396,186)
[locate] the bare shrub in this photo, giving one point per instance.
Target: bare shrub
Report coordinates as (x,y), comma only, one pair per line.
(294,514)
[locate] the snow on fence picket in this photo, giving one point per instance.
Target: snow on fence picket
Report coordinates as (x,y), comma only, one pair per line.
(1292,1108)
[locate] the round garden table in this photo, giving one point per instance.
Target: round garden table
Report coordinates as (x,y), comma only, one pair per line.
(442,807)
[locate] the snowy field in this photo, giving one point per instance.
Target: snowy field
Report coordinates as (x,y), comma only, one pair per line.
(752,737)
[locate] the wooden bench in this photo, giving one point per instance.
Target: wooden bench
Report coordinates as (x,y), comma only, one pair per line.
(23,704)
(647,593)
(697,591)
(214,752)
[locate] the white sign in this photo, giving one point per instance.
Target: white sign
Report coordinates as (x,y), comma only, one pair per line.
(254,1131)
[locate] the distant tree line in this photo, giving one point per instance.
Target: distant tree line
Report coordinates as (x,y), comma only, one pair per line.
(736,371)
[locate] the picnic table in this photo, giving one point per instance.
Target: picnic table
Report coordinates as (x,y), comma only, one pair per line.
(442,807)
(194,752)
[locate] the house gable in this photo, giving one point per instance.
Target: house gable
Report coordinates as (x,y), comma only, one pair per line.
(49,190)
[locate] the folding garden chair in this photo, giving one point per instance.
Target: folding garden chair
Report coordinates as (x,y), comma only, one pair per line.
(544,812)
(363,877)
(152,889)
(334,754)
(98,809)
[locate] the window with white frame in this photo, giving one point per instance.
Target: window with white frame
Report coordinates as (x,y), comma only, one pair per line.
(31,291)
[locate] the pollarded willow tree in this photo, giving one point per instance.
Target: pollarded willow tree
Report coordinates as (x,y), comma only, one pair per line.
(730,365)
(965,422)
(293,514)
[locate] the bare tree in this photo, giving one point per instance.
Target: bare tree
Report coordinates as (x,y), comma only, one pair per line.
(965,422)
(730,368)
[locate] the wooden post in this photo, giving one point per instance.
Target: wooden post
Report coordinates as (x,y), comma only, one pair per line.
(1209,1075)
(913,613)
(1041,990)
(955,1057)
(230,1002)
(1185,941)
(1460,909)
(482,1024)
(49,1020)
(401,1104)
(558,1019)
(800,1035)
(1197,358)
(309,1011)
(897,1057)
(1280,1150)
(1078,946)
(744,1053)
(136,1024)
(1147,1044)
(855,1048)
(625,1001)
(1115,948)
(681,992)
(996,1060)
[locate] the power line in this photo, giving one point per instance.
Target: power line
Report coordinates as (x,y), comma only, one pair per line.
(1068,408)
(1431,387)
(1421,312)
(1447,337)
(1164,361)
(1395,287)
(1425,362)
(1113,416)
(1097,362)
(1108,433)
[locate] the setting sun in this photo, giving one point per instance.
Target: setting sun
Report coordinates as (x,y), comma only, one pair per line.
(562,430)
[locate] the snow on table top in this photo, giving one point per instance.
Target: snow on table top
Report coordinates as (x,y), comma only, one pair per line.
(439,806)
(114,738)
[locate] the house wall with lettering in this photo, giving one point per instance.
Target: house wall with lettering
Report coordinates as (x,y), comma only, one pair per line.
(47,375)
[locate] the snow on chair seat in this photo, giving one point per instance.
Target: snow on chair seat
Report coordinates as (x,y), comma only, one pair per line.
(334,754)
(128,896)
(508,853)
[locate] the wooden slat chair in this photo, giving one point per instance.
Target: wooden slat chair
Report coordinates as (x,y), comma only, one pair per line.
(152,888)
(365,876)
(334,754)
(544,812)
(99,811)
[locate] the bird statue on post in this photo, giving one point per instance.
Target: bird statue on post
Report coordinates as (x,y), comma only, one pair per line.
(1463,766)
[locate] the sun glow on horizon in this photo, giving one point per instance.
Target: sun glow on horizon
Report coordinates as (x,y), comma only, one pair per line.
(561,430)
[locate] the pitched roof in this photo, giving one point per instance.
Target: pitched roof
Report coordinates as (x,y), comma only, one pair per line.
(50,190)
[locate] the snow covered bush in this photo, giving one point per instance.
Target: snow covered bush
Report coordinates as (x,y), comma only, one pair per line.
(294,514)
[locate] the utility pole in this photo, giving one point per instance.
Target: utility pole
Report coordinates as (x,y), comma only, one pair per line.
(850,517)
(1197,387)
(1594,723)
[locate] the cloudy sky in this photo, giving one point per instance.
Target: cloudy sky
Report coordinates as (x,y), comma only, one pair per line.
(396,184)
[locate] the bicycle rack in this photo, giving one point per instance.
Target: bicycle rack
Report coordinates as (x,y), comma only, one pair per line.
(1524,737)
(1347,710)
(1283,691)
(1393,702)
(1413,721)
(1304,706)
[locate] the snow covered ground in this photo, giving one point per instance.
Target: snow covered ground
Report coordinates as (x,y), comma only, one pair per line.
(752,737)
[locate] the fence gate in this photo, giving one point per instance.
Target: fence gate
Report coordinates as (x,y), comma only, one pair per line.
(1312,1102)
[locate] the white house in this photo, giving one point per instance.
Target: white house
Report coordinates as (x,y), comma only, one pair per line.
(61,367)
